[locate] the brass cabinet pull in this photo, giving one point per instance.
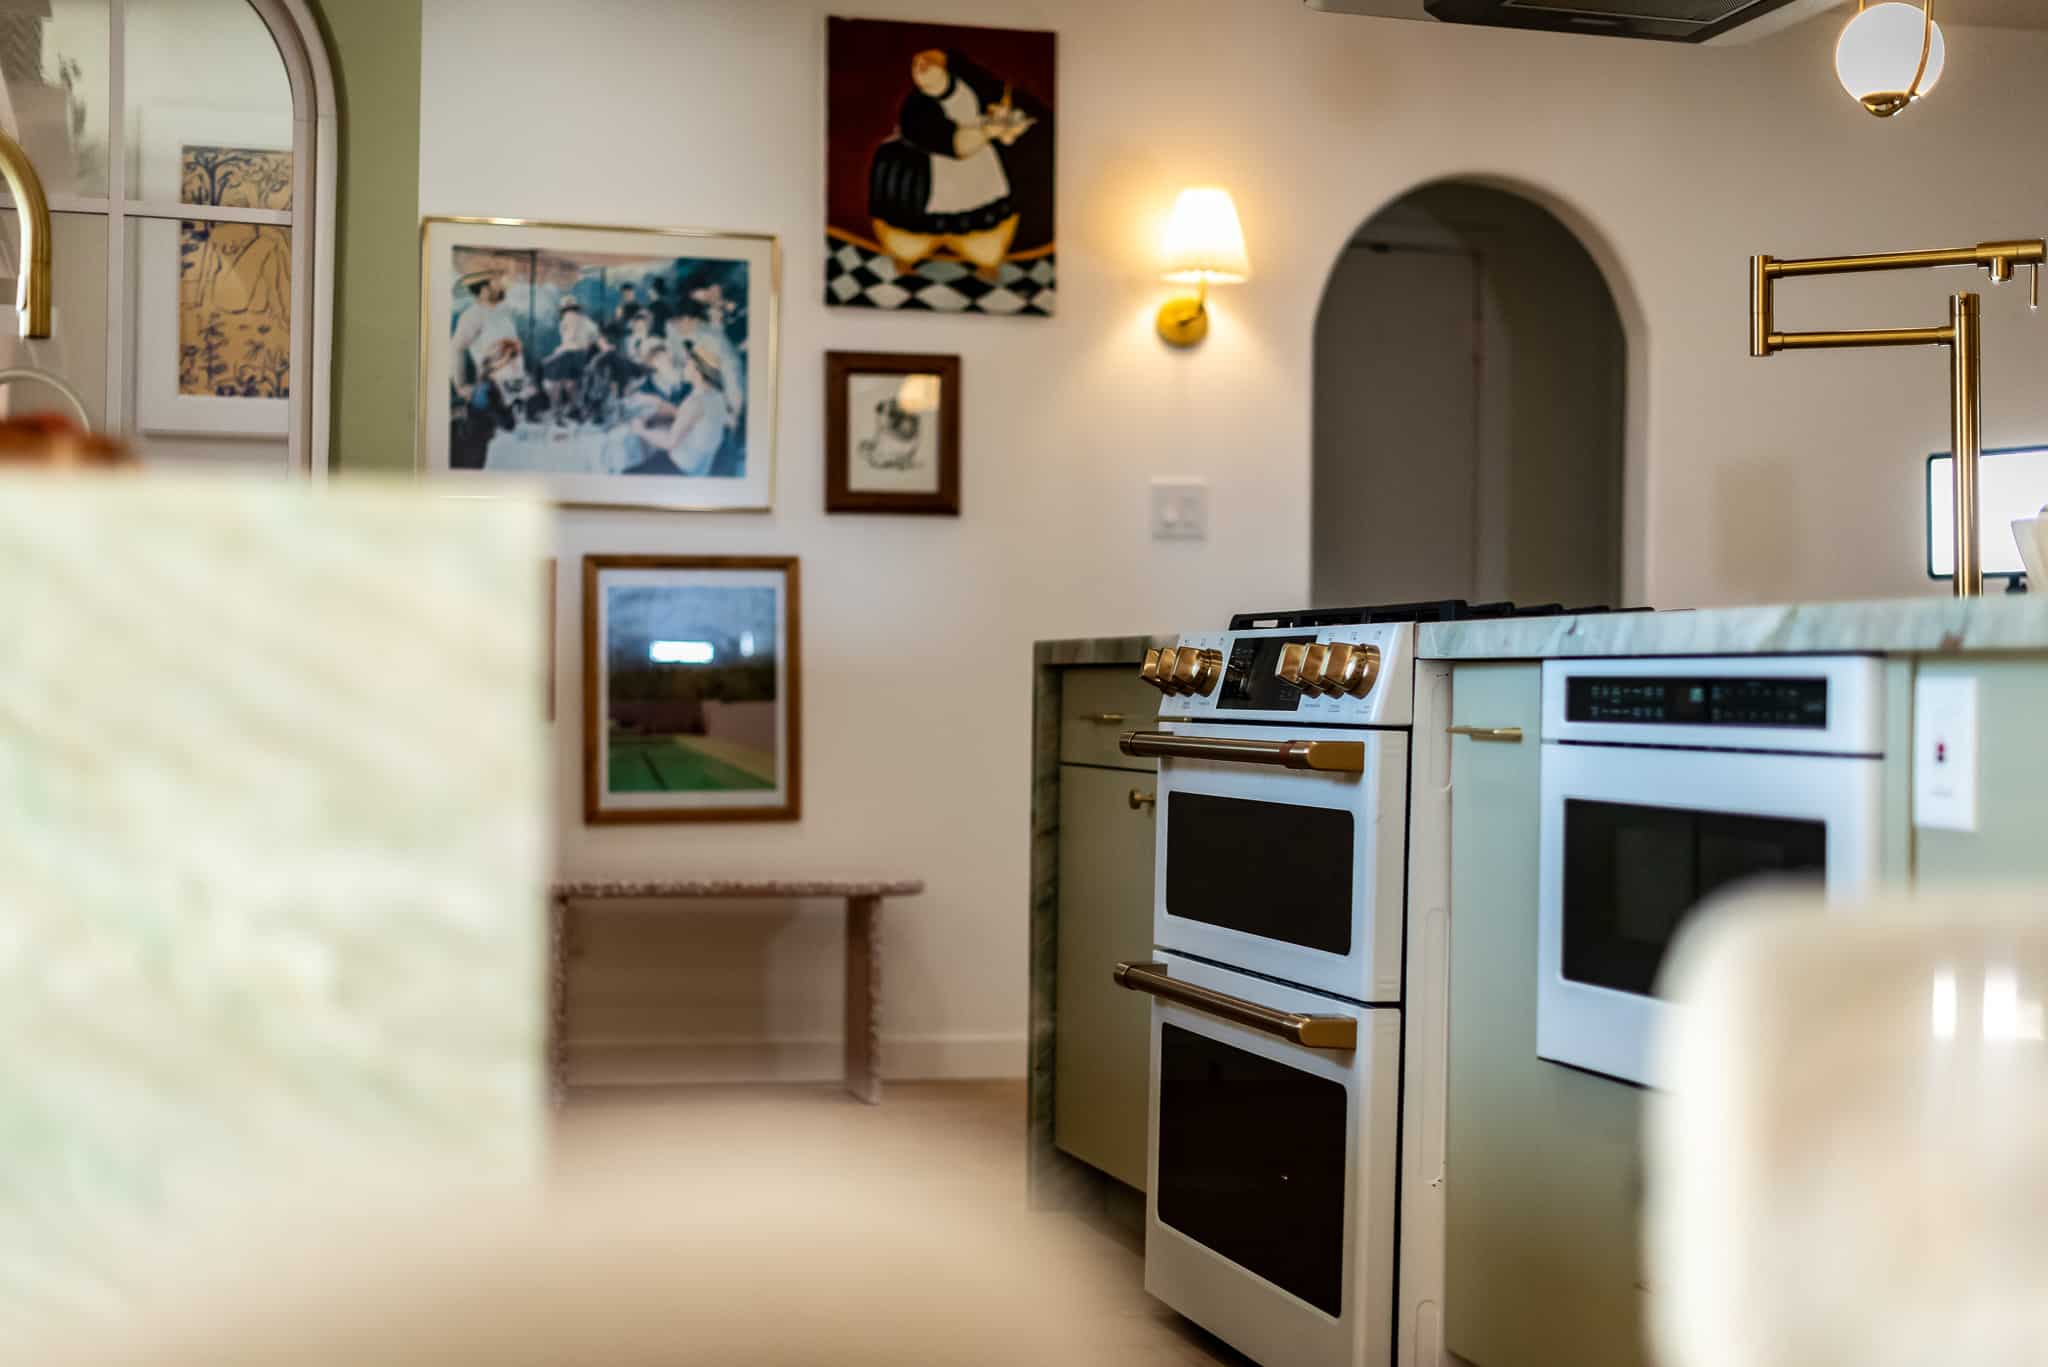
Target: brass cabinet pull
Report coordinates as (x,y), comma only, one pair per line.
(1323,756)
(1311,1032)
(1511,735)
(1101,718)
(1140,799)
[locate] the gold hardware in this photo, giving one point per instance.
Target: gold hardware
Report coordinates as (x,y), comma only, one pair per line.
(1101,718)
(1197,671)
(1311,1032)
(1321,756)
(1140,799)
(32,299)
(1963,336)
(1293,661)
(1184,320)
(1169,659)
(1511,735)
(1315,659)
(1352,670)
(1149,671)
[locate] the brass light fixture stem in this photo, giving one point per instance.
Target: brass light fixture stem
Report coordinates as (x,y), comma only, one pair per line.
(1963,336)
(32,298)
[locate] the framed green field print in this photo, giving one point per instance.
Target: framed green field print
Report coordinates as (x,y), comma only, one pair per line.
(690,689)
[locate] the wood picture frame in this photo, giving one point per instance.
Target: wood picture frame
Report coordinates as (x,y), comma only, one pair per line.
(892,432)
(662,745)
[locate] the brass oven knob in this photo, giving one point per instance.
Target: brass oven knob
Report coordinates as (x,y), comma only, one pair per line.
(1356,672)
(1198,671)
(1315,659)
(1149,671)
(1292,657)
(1169,669)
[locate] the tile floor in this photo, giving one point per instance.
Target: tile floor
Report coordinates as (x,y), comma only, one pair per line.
(945,1143)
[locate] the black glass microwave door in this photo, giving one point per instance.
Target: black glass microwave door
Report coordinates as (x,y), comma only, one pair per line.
(1269,869)
(1251,1163)
(1633,874)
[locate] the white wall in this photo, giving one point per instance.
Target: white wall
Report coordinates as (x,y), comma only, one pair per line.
(1793,478)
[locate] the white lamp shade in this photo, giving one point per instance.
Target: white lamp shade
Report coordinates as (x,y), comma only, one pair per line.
(1204,241)
(1880,50)
(918,394)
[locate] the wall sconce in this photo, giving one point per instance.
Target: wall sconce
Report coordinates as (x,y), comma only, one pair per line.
(1890,55)
(1204,247)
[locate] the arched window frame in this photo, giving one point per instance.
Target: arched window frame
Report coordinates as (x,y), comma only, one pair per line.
(315,160)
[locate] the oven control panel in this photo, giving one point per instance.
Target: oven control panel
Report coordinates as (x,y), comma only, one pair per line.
(1355,675)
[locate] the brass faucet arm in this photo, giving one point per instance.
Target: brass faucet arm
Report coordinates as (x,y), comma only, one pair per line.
(1998,258)
(33,296)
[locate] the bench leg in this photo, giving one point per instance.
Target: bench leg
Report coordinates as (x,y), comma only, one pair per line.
(558,1000)
(864,998)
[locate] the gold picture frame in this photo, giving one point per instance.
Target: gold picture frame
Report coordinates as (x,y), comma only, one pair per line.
(590,430)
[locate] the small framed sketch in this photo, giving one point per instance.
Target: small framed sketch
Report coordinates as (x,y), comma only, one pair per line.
(616,366)
(690,689)
(892,433)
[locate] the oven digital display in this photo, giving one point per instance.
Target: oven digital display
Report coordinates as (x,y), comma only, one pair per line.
(1249,681)
(1800,704)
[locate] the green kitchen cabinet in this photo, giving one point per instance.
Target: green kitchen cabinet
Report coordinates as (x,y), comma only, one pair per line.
(1543,1169)
(1103,1043)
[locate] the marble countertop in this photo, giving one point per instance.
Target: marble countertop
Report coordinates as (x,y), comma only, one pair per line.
(1904,626)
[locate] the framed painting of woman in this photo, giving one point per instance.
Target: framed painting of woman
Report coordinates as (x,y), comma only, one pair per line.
(939,181)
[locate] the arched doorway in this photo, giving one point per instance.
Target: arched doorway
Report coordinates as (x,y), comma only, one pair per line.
(188,150)
(1471,384)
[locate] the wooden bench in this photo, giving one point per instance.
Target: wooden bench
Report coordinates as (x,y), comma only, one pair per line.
(863,956)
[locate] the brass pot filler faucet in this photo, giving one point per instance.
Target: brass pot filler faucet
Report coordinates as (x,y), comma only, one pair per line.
(1963,336)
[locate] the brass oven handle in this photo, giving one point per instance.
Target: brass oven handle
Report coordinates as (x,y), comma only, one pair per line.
(1101,718)
(1140,799)
(1311,1032)
(1323,756)
(1511,735)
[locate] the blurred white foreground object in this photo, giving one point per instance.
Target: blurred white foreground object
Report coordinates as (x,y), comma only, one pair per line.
(271,860)
(2032,535)
(1850,1166)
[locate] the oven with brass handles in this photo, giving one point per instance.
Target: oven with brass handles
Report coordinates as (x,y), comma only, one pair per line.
(1280,850)
(1273,1139)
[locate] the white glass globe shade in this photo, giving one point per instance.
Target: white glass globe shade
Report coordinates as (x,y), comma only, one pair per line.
(1880,51)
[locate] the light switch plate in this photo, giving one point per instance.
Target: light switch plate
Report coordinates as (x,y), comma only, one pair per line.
(1945,750)
(1180,510)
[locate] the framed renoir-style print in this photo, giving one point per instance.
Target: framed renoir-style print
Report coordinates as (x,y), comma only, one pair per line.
(892,433)
(213,299)
(690,689)
(939,168)
(622,367)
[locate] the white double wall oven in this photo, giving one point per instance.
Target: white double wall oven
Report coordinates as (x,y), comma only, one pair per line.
(1276,980)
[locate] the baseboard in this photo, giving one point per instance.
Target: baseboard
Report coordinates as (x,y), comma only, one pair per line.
(605,1062)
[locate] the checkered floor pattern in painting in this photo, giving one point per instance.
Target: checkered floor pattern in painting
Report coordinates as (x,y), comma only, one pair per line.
(858,277)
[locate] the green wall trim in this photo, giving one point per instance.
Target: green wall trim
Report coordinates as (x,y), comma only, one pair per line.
(375,49)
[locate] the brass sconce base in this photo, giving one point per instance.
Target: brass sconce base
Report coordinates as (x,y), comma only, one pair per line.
(1887,103)
(1184,321)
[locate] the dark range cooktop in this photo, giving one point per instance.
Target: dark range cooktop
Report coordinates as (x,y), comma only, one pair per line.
(1443,610)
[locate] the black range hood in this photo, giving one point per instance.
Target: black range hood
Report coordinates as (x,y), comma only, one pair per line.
(1671,21)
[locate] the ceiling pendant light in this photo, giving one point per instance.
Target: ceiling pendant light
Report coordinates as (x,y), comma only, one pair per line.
(1890,55)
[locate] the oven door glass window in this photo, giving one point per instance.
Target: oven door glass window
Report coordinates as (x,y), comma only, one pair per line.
(1633,874)
(1251,1163)
(1270,869)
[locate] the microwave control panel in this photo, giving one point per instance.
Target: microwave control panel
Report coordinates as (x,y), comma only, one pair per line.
(1346,676)
(1794,703)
